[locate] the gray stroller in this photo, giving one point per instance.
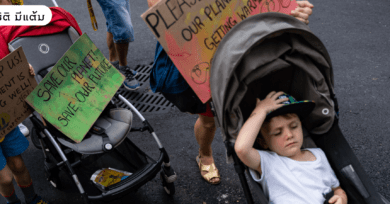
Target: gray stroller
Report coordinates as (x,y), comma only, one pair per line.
(106,144)
(274,51)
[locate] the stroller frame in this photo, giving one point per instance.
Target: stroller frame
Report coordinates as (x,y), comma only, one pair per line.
(49,144)
(57,158)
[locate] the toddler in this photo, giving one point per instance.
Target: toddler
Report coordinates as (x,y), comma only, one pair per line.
(287,173)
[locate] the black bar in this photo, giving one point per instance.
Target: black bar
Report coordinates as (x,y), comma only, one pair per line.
(240,169)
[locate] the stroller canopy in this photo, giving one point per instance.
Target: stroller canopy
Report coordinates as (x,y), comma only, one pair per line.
(267,52)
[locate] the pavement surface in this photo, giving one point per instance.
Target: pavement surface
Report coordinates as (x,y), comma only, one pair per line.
(356,34)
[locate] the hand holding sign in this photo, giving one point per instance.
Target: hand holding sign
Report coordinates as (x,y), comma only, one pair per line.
(152,2)
(17,82)
(303,11)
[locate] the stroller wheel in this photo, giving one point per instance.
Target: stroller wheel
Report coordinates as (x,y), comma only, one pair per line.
(168,187)
(35,138)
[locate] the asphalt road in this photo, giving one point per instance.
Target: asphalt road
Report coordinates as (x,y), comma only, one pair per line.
(356,34)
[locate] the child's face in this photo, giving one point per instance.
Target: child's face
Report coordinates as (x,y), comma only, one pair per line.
(283,135)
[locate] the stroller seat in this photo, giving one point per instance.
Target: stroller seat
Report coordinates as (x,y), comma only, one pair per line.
(43,52)
(116,125)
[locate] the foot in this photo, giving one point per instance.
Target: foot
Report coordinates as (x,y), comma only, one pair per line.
(24,130)
(116,65)
(130,83)
(208,170)
(38,200)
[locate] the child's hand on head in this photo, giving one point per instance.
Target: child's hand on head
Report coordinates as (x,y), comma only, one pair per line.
(336,199)
(303,11)
(270,103)
(32,72)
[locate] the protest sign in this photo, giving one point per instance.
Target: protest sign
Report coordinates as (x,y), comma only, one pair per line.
(16,83)
(190,31)
(76,91)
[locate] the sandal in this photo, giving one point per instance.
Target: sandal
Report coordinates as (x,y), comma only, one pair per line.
(211,169)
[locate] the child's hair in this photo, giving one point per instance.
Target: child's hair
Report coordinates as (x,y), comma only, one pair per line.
(267,121)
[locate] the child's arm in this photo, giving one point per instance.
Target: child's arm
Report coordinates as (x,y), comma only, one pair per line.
(303,11)
(32,72)
(249,131)
(339,196)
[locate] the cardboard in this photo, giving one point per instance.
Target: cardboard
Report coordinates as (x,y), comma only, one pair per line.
(16,84)
(76,91)
(190,31)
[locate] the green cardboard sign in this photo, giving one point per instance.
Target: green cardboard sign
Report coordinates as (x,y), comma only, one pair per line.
(76,91)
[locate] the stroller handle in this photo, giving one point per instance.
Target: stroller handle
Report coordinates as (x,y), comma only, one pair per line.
(55,3)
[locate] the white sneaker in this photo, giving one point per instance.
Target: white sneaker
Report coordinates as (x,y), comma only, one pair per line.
(24,130)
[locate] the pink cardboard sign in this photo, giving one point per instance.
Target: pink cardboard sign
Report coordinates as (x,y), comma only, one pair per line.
(190,31)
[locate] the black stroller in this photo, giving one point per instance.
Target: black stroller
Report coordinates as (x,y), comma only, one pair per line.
(274,51)
(106,145)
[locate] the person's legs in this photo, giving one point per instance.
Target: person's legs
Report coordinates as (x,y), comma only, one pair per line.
(23,179)
(112,53)
(120,33)
(204,130)
(122,50)
(19,170)
(7,189)
(117,51)
(12,147)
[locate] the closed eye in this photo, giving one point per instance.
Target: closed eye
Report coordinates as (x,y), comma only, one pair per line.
(277,133)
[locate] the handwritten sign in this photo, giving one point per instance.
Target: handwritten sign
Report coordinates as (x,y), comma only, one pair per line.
(76,91)
(16,84)
(190,31)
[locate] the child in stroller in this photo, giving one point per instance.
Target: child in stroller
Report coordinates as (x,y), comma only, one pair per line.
(282,53)
(286,172)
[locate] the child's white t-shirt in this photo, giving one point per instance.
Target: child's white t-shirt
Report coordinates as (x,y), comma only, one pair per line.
(287,181)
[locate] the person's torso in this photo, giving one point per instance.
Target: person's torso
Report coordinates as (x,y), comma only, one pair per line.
(164,76)
(288,181)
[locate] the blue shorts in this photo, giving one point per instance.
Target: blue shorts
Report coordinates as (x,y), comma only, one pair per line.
(13,144)
(118,20)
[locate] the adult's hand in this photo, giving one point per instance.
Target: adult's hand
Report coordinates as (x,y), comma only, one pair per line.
(303,11)
(152,2)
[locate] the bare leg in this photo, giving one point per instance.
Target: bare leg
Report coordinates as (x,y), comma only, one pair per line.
(204,132)
(6,186)
(117,51)
(19,170)
(112,56)
(122,50)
